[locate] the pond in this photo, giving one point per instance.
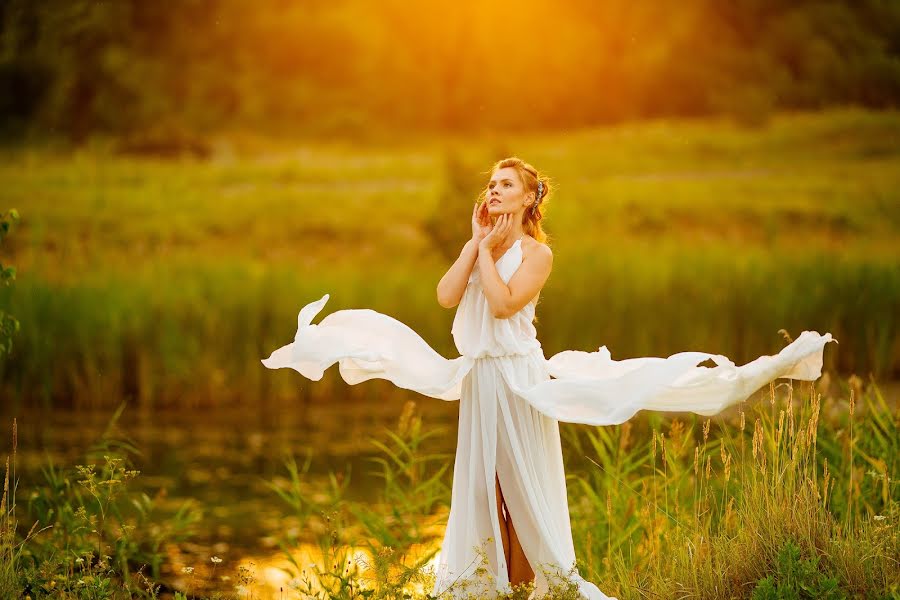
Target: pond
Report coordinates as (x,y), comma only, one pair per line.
(223,458)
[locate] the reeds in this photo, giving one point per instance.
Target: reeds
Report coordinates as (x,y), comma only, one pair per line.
(684,508)
(12,546)
(708,243)
(731,521)
(661,507)
(91,528)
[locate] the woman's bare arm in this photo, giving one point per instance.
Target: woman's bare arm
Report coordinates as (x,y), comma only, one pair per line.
(452,285)
(504,299)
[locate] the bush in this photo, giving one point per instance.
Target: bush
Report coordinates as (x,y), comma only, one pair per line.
(796,578)
(92,529)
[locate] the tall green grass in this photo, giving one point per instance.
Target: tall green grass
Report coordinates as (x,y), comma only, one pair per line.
(792,494)
(712,509)
(92,534)
(199,342)
(165,282)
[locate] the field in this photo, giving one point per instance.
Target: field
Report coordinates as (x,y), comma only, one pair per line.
(166,281)
(159,284)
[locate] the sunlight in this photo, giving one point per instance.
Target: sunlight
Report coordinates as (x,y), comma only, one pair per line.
(271,577)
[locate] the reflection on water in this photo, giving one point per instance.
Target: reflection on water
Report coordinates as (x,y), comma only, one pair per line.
(222,459)
(273,576)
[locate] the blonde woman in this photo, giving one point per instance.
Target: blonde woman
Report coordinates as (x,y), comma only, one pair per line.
(508,505)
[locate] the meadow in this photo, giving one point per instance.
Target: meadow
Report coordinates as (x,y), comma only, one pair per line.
(159,284)
(166,281)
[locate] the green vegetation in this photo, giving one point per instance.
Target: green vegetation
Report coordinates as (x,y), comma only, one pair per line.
(92,535)
(796,578)
(9,325)
(166,282)
(711,516)
(791,495)
(191,176)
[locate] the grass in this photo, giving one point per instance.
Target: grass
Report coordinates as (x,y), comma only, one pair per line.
(164,282)
(711,516)
(790,495)
(93,535)
(783,496)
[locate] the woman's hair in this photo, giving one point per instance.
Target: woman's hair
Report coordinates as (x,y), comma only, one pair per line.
(531,222)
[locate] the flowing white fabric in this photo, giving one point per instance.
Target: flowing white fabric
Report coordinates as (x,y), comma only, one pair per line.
(511,400)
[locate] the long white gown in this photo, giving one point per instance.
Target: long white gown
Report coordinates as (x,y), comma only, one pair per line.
(511,399)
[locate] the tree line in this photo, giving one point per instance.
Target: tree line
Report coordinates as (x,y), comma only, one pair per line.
(78,67)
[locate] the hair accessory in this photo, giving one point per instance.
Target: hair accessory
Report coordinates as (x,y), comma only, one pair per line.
(537,199)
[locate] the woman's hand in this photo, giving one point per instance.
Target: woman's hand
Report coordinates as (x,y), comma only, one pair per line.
(481,222)
(498,233)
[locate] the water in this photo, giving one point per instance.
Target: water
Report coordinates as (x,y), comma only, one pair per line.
(222,459)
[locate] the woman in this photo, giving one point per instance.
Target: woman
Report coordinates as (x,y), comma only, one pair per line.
(508,509)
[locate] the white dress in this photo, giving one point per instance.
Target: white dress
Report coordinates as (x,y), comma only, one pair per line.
(511,399)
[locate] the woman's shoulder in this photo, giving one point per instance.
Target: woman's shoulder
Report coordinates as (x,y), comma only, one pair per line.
(532,247)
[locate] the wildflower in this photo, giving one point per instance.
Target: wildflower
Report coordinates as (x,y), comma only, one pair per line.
(216,559)
(879,517)
(187,570)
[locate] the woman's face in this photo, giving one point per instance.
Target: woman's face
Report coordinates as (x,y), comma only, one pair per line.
(505,192)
